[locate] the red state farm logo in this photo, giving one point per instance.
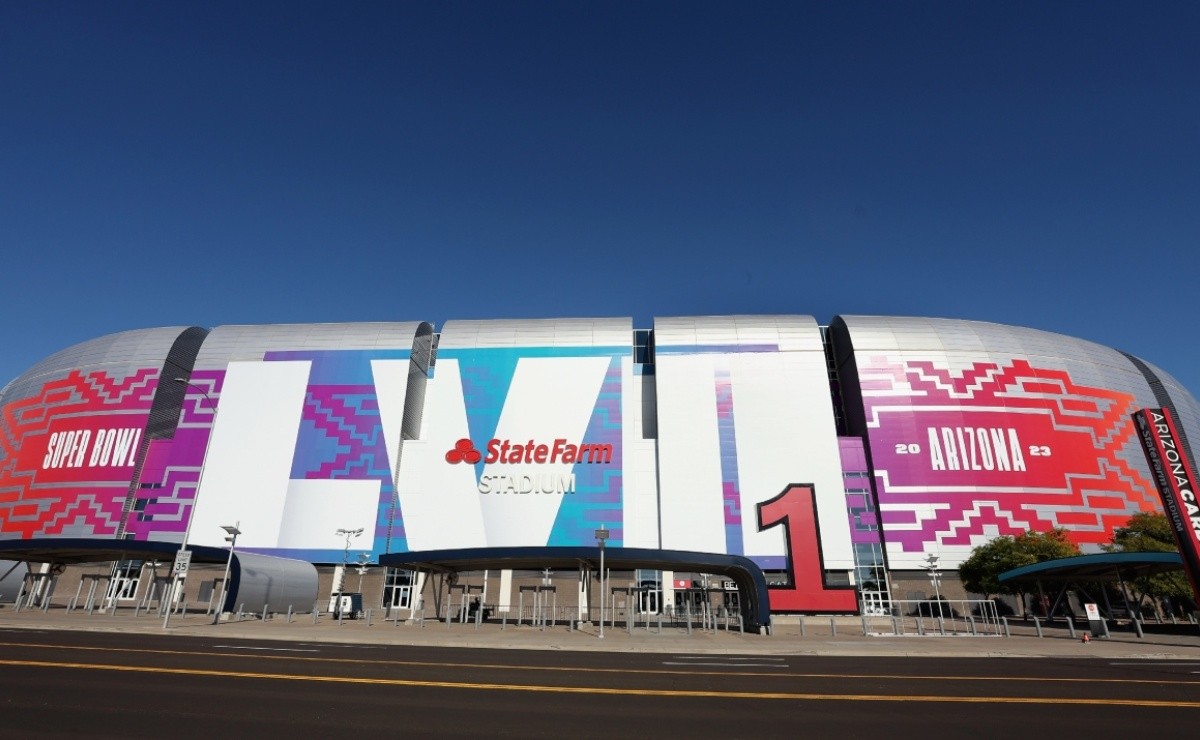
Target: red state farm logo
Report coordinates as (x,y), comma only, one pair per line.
(524,453)
(464,451)
(504,451)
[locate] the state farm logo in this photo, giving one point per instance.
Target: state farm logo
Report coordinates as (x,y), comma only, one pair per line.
(464,451)
(558,452)
(506,451)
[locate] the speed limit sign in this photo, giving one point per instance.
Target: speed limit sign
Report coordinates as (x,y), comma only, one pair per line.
(183,559)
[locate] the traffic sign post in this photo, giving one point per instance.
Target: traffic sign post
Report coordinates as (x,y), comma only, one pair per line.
(183,560)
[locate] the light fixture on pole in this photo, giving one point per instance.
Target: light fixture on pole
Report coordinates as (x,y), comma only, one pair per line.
(183,557)
(232,533)
(349,534)
(601,536)
(931,565)
(364,558)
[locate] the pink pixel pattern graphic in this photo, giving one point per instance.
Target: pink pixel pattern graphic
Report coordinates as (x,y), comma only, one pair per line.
(998,448)
(68,454)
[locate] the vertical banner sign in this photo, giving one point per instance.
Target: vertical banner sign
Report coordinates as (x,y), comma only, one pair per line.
(1176,480)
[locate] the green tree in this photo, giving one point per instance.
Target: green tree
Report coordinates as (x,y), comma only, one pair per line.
(1144,532)
(980,572)
(1152,532)
(1049,545)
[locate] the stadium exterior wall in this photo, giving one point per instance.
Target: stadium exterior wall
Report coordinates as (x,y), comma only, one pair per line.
(534,433)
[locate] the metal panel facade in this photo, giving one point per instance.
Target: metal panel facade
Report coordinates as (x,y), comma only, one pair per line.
(71,431)
(534,433)
(977,430)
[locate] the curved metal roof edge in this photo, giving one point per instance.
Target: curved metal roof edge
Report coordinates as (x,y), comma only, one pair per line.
(78,550)
(1064,565)
(756,609)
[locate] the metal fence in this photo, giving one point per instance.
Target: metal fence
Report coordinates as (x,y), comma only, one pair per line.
(942,618)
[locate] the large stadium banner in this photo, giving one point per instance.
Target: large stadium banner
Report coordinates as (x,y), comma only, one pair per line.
(303,445)
(520,447)
(68,453)
(743,416)
(964,452)
(1176,480)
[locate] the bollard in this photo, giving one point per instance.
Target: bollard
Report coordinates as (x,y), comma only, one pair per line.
(864,625)
(833,626)
(971,623)
(369,617)
(289,616)
(504,621)
(1137,627)
(896,629)
(802,629)
(264,614)
(1005,621)
(315,613)
(741,625)
(241,609)
(1038,626)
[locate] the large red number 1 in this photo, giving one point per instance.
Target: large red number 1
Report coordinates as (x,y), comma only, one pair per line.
(796,510)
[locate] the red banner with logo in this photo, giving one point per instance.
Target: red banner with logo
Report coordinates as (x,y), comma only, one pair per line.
(1176,480)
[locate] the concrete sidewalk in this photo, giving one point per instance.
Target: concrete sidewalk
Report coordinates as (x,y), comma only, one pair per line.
(821,636)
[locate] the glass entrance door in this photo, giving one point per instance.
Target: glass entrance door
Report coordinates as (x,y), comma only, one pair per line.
(397,588)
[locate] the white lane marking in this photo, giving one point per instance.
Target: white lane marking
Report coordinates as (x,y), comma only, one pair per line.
(1165,662)
(731,665)
(282,650)
(723,657)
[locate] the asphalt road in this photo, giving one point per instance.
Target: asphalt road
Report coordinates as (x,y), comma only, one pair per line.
(100,684)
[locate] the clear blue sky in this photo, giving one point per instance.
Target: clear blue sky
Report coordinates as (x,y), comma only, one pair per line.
(207,163)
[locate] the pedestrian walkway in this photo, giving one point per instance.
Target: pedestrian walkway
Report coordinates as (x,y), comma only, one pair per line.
(790,636)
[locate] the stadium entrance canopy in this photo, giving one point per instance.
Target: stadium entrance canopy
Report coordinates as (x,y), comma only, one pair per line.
(263,581)
(1106,567)
(83,550)
(754,604)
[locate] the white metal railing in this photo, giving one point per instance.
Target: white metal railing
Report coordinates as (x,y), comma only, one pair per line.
(934,617)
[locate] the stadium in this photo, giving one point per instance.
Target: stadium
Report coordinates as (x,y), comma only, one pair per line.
(785,466)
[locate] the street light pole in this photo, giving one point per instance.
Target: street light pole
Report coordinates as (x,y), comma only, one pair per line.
(348,534)
(341,584)
(364,558)
(179,581)
(934,575)
(232,532)
(601,536)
